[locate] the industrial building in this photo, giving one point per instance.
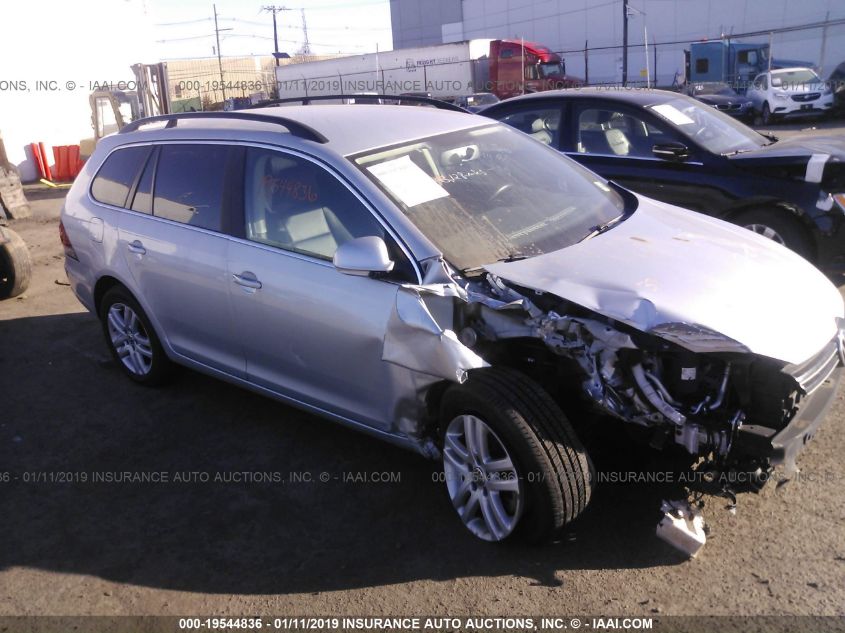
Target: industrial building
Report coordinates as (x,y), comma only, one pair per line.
(589,33)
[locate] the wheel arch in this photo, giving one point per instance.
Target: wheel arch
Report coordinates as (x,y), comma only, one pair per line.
(103,285)
(781,207)
(108,281)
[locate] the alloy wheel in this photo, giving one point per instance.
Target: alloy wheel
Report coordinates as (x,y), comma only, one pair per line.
(766,231)
(130,339)
(481,479)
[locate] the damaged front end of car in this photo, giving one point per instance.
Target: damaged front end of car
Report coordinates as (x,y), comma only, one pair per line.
(737,414)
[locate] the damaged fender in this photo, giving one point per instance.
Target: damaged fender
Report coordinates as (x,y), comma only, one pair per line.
(416,340)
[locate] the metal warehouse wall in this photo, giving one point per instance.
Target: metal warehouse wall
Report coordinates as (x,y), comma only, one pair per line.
(565,25)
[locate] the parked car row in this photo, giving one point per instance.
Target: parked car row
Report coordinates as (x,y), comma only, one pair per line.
(785,93)
(474,293)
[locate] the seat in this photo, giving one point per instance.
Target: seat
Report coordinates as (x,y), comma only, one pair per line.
(594,142)
(540,131)
(260,198)
(618,142)
(311,232)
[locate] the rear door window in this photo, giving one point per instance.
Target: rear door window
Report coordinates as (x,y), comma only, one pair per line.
(542,124)
(189,184)
(117,175)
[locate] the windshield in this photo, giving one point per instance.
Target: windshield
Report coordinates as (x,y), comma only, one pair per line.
(551,69)
(482,98)
(491,193)
(795,77)
(714,89)
(715,131)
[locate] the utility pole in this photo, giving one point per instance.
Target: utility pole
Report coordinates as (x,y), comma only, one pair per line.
(271,8)
(306,47)
(624,42)
(219,57)
(824,42)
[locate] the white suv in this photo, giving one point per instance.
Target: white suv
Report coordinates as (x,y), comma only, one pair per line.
(789,92)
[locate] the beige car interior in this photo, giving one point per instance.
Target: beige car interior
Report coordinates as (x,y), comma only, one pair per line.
(612,133)
(285,208)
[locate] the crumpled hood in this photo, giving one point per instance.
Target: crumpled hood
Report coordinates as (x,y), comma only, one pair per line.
(668,265)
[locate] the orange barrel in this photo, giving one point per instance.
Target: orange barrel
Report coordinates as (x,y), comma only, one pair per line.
(73,160)
(36,156)
(47,173)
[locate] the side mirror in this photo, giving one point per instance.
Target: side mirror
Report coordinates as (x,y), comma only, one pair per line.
(671,151)
(362,256)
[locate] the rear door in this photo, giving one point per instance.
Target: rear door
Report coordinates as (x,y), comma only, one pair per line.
(172,238)
(310,332)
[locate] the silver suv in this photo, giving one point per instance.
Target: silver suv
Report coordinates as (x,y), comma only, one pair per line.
(452,286)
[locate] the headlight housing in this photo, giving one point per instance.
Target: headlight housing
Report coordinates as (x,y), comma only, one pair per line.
(697,338)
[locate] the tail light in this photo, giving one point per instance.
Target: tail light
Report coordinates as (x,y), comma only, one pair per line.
(69,252)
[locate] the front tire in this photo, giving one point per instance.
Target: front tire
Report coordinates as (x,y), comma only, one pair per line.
(131,339)
(766,115)
(512,461)
(778,227)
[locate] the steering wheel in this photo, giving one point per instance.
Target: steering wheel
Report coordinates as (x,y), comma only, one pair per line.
(501,190)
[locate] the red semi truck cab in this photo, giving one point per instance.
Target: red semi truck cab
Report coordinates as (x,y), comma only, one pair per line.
(518,67)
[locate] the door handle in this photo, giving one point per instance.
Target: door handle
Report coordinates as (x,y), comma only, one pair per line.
(137,248)
(247,280)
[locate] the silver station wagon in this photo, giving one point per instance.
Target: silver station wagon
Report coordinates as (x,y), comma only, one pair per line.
(451,285)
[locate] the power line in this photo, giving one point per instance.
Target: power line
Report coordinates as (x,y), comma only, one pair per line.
(183,22)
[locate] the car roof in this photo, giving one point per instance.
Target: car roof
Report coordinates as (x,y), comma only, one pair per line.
(633,95)
(347,128)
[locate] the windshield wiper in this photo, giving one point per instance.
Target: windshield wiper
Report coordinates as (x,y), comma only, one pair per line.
(510,257)
(598,229)
(513,256)
(739,151)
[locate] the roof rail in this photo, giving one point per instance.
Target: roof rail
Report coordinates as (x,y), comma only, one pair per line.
(367,98)
(294,127)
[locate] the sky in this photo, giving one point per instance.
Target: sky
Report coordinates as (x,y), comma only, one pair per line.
(50,65)
(185,29)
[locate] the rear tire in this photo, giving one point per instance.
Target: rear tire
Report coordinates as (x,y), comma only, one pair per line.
(778,227)
(550,466)
(15,264)
(131,338)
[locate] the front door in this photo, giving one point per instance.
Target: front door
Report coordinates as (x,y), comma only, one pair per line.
(310,332)
(617,142)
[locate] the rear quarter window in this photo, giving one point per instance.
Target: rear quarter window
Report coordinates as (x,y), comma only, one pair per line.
(114,180)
